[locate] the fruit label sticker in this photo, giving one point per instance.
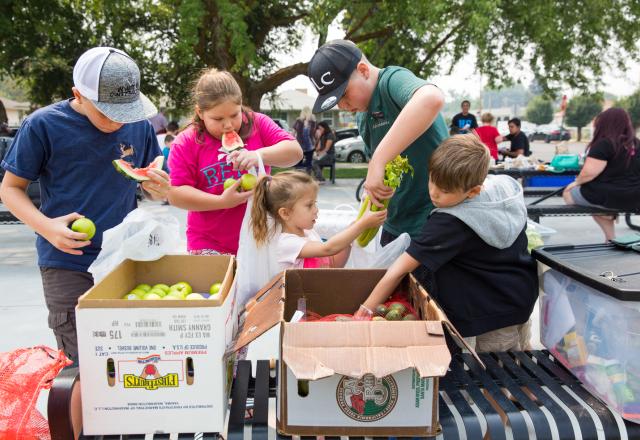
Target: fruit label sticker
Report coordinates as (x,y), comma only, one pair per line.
(151,372)
(402,399)
(367,399)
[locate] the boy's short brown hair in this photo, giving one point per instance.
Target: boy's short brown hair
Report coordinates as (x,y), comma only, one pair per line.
(459,163)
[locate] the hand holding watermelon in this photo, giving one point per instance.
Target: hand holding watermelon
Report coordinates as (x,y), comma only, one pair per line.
(244,159)
(158,184)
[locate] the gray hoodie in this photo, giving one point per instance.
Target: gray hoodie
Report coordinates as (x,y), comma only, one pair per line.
(498,214)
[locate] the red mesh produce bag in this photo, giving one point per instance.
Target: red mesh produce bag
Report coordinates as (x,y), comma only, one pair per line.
(23,373)
(397,297)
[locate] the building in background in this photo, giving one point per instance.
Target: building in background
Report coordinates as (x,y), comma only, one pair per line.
(286,105)
(16,111)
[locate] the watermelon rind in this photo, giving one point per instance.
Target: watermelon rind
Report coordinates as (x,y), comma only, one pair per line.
(125,168)
(237,144)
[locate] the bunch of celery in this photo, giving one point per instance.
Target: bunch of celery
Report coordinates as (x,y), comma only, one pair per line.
(394,171)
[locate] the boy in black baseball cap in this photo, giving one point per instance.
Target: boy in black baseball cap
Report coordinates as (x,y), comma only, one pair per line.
(398,113)
(69,147)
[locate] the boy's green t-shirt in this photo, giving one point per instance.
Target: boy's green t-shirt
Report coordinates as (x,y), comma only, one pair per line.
(410,205)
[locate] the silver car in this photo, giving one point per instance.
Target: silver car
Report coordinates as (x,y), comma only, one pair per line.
(351,150)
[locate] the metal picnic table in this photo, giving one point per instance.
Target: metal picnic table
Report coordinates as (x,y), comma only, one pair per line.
(520,395)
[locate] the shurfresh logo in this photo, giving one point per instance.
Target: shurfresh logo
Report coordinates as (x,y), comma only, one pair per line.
(150,378)
(367,399)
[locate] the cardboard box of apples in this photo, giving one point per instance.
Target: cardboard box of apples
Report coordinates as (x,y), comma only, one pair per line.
(149,365)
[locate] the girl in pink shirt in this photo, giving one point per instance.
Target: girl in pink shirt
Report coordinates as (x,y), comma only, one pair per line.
(289,198)
(199,168)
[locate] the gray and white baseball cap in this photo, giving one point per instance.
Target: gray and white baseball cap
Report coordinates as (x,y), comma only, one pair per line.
(111,80)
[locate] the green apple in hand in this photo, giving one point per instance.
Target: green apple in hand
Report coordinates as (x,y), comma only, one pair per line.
(248,182)
(229,183)
(84,226)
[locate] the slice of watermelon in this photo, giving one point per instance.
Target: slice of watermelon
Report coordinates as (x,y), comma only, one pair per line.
(138,174)
(231,141)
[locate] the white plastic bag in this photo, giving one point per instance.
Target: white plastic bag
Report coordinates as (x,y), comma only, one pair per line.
(143,236)
(332,221)
(374,256)
(256,265)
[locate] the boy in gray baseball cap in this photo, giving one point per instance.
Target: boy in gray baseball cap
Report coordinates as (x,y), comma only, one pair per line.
(69,147)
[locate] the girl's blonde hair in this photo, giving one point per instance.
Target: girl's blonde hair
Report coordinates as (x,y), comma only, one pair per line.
(305,114)
(272,193)
(486,118)
(212,88)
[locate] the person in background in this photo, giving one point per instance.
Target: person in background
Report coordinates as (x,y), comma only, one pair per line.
(489,134)
(464,121)
(305,129)
(168,139)
(610,176)
(324,149)
(519,140)
(159,122)
(172,129)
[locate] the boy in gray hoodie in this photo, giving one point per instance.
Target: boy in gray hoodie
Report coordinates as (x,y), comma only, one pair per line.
(473,250)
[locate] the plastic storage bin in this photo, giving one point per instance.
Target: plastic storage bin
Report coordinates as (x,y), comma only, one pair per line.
(549,181)
(590,319)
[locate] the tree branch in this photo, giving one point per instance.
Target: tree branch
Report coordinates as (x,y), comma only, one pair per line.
(384,32)
(275,79)
(285,21)
(440,43)
(359,24)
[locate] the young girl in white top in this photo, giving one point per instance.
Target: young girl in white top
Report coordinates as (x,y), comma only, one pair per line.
(290,199)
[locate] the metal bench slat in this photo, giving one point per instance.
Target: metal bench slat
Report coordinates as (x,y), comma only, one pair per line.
(539,420)
(260,428)
(586,422)
(494,422)
(240,392)
(518,424)
(560,417)
(447,421)
(607,419)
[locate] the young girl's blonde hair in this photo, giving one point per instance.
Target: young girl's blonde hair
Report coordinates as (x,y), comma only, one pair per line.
(272,193)
(212,88)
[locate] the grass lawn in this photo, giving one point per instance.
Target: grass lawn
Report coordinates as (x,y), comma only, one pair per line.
(341,173)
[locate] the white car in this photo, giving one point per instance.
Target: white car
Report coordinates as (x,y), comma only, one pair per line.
(351,150)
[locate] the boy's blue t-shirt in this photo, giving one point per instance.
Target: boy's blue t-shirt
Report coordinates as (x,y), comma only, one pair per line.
(72,159)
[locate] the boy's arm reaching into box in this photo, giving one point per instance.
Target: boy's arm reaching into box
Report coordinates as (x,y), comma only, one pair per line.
(385,287)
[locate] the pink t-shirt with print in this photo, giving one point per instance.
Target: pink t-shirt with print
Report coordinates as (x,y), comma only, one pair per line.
(197,165)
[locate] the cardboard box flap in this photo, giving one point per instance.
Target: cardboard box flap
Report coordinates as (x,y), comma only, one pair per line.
(314,350)
(456,336)
(262,312)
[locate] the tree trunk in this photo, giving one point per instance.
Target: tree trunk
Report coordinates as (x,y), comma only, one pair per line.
(579,134)
(253,97)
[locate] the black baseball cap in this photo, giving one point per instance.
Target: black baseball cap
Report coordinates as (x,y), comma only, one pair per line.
(329,71)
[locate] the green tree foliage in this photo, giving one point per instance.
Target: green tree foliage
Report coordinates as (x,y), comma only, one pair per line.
(631,104)
(562,41)
(582,109)
(539,110)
